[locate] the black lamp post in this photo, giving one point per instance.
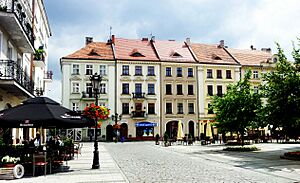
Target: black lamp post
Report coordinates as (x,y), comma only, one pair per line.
(96,82)
(116,117)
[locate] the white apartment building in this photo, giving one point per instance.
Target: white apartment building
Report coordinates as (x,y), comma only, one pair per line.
(77,68)
(18,43)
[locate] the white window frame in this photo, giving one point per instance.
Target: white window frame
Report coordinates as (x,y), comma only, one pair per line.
(75,106)
(102,70)
(77,69)
(255,89)
(75,87)
(103,88)
(101,104)
(255,74)
(88,67)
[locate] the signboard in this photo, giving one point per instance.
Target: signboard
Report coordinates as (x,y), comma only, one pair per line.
(145,124)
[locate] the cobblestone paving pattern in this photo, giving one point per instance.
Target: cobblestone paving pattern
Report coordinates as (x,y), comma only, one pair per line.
(145,162)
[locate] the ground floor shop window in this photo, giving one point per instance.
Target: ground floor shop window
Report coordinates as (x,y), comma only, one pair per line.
(144,131)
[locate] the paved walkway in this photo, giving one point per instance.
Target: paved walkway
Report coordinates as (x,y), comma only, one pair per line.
(80,170)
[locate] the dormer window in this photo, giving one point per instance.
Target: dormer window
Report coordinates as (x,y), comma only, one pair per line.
(216,57)
(175,54)
(93,53)
(136,53)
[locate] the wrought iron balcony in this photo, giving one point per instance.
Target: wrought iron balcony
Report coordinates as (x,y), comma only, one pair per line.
(10,70)
(48,75)
(138,95)
(16,18)
(138,114)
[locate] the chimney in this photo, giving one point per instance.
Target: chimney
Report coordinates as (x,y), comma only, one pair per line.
(188,41)
(153,38)
(113,39)
(222,43)
(252,47)
(88,40)
(144,39)
(268,50)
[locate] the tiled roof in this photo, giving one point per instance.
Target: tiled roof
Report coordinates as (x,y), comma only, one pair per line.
(173,51)
(213,54)
(134,49)
(249,57)
(94,50)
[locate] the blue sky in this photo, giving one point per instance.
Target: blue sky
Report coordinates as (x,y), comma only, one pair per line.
(240,23)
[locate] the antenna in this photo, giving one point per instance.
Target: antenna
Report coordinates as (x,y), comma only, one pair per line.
(110,28)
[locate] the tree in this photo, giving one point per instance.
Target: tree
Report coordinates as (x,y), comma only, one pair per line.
(238,108)
(282,90)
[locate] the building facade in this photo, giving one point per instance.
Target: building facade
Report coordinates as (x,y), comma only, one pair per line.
(19,74)
(154,85)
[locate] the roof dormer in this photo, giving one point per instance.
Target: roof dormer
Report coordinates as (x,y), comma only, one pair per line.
(93,53)
(216,57)
(136,53)
(175,54)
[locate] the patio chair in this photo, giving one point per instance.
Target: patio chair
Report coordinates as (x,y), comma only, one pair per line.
(77,150)
(39,161)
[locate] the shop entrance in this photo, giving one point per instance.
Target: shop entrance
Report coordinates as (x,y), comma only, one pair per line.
(191,128)
(172,128)
(109,133)
(124,130)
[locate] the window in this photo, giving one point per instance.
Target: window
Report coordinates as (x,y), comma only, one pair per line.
(102,70)
(151,89)
(191,108)
(151,108)
(75,87)
(138,71)
(168,108)
(255,74)
(75,69)
(125,108)
(102,88)
(190,72)
(210,90)
(138,88)
(209,109)
(75,106)
(179,72)
(168,89)
(190,90)
(255,89)
(101,104)
(179,108)
(219,91)
(151,71)
(89,89)
(125,70)
(1,37)
(9,52)
(209,73)
(89,69)
(179,90)
(228,74)
(125,88)
(168,71)
(219,74)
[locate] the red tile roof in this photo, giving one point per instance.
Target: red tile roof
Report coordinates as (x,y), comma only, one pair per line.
(94,50)
(213,54)
(173,51)
(134,49)
(250,57)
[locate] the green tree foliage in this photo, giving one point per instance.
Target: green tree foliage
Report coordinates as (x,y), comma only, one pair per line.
(282,90)
(238,108)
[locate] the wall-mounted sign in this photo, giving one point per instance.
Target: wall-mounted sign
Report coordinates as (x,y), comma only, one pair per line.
(145,124)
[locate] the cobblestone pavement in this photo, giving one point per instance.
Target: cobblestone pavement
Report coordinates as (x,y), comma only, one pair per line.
(146,162)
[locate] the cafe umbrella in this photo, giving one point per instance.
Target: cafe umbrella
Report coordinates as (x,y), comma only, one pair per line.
(42,112)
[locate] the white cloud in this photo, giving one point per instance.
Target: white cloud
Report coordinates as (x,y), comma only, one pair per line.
(54,91)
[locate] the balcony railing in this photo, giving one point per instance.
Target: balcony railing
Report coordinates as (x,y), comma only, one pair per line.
(10,70)
(138,95)
(138,114)
(19,9)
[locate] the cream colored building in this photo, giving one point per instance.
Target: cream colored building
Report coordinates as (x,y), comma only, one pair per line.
(20,22)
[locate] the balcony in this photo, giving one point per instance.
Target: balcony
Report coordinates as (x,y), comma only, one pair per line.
(48,76)
(138,96)
(16,18)
(14,79)
(139,114)
(39,58)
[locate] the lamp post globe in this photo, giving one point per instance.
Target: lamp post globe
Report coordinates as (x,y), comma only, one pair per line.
(96,84)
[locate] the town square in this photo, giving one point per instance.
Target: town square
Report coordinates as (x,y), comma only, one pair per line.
(149,91)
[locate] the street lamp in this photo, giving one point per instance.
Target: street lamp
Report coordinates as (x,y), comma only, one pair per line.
(116,117)
(96,82)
